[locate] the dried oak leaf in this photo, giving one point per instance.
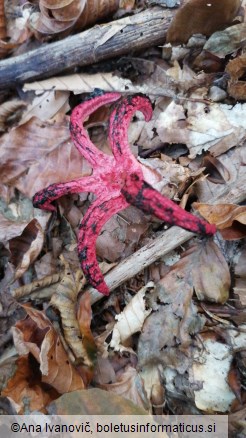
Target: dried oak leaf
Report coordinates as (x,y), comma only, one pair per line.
(230,219)
(201,16)
(36,335)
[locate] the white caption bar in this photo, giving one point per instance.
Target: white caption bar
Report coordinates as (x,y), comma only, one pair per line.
(47,426)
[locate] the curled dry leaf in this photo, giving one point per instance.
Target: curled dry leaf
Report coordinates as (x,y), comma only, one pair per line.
(26,247)
(201,16)
(65,301)
(84,316)
(58,17)
(35,335)
(131,320)
(153,385)
(217,172)
(229,219)
(130,386)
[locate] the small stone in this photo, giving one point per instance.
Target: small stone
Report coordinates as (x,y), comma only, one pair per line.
(216,94)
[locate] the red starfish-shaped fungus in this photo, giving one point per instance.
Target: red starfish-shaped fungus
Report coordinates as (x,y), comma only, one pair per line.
(117,181)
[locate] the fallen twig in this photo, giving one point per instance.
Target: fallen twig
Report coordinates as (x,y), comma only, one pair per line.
(106,41)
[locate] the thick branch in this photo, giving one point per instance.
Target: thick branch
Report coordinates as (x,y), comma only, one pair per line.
(165,243)
(117,38)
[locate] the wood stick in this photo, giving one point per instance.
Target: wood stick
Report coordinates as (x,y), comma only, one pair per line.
(99,43)
(166,242)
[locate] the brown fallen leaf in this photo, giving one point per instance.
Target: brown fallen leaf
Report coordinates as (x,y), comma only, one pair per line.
(236,68)
(26,388)
(234,380)
(26,144)
(36,337)
(230,219)
(2,21)
(201,16)
(84,317)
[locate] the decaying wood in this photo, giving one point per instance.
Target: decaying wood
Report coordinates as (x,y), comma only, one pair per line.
(165,243)
(117,38)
